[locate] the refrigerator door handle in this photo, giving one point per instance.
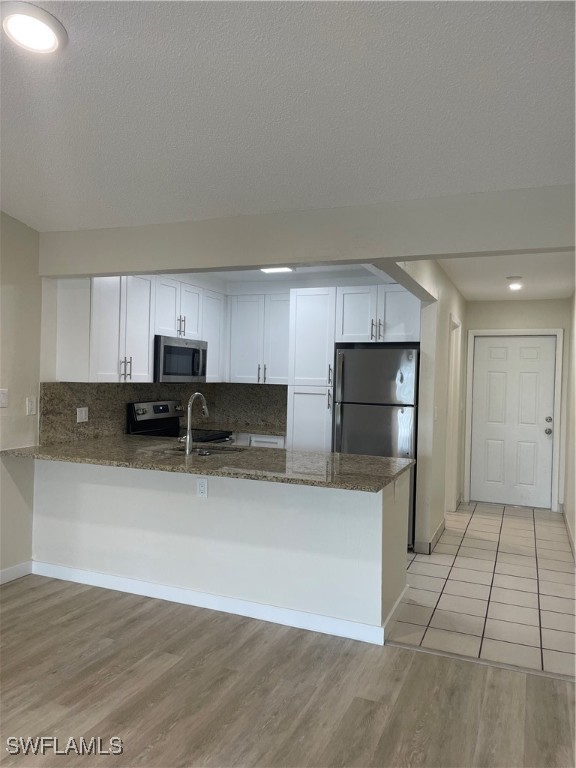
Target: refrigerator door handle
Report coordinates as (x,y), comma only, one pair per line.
(339,375)
(337,427)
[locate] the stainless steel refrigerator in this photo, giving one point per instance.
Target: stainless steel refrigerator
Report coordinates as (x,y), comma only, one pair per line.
(376,399)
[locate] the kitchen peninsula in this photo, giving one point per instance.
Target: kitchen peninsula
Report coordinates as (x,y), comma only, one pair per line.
(312,540)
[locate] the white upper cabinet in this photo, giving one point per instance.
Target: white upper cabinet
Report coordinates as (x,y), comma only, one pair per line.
(312,325)
(309,423)
(137,328)
(121,329)
(246,339)
(105,329)
(259,339)
(214,331)
(356,313)
(276,336)
(178,309)
(377,313)
(401,313)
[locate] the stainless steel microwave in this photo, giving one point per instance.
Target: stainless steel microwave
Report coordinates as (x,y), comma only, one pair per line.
(177,359)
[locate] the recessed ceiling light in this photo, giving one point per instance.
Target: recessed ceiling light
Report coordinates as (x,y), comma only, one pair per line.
(514,283)
(272,270)
(32,28)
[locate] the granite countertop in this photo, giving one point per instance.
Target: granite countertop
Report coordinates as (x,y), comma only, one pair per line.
(326,470)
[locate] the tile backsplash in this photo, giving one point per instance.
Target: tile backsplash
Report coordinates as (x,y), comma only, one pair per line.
(239,407)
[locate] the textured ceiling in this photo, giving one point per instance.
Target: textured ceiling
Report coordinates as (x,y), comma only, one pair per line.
(544,276)
(171,111)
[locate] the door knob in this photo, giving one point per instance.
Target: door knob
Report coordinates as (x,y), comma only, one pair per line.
(548,419)
(548,431)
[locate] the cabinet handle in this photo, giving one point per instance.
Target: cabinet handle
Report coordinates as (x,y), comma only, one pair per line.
(264,373)
(123,363)
(380,329)
(129,374)
(372,329)
(184,324)
(179,325)
(329,374)
(259,373)
(329,401)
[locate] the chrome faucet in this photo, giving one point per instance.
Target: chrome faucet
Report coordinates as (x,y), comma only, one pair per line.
(189,442)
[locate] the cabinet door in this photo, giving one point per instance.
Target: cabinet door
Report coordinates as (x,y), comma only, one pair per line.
(167,307)
(309,423)
(401,316)
(137,319)
(312,320)
(105,329)
(276,337)
(213,332)
(356,313)
(191,311)
(246,339)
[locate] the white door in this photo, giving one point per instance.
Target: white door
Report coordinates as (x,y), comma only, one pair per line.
(312,327)
(213,318)
(246,339)
(512,420)
(191,311)
(167,307)
(138,314)
(276,334)
(356,313)
(309,423)
(105,329)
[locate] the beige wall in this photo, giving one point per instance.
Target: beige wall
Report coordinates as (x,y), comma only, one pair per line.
(517,314)
(431,500)
(512,220)
(570,471)
(20,306)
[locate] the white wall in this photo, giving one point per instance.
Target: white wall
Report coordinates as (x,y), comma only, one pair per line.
(518,314)
(570,472)
(512,220)
(431,497)
(20,306)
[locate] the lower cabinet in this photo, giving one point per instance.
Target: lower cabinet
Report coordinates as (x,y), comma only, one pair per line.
(309,422)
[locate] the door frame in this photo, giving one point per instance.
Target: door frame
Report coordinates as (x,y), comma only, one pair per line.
(453,418)
(559,334)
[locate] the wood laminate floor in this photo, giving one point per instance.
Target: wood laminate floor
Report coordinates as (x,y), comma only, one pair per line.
(185,686)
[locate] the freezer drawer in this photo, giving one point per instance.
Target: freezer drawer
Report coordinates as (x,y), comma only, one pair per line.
(375,430)
(376,375)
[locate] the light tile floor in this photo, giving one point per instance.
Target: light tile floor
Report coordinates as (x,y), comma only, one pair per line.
(499,586)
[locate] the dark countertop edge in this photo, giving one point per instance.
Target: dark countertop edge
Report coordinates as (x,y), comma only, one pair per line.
(36,452)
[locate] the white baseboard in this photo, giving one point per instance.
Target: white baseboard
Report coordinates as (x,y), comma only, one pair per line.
(286,616)
(439,532)
(390,617)
(570,537)
(15,572)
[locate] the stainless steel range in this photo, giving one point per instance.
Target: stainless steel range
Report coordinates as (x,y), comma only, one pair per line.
(161,418)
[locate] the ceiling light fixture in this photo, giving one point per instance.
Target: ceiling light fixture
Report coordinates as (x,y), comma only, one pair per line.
(32,28)
(514,283)
(273,270)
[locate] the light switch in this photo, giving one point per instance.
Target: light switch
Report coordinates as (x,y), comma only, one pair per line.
(3,398)
(81,415)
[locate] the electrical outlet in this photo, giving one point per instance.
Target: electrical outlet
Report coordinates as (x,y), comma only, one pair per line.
(81,415)
(3,398)
(202,487)
(30,406)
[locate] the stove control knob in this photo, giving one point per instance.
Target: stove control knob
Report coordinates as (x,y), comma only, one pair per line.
(141,411)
